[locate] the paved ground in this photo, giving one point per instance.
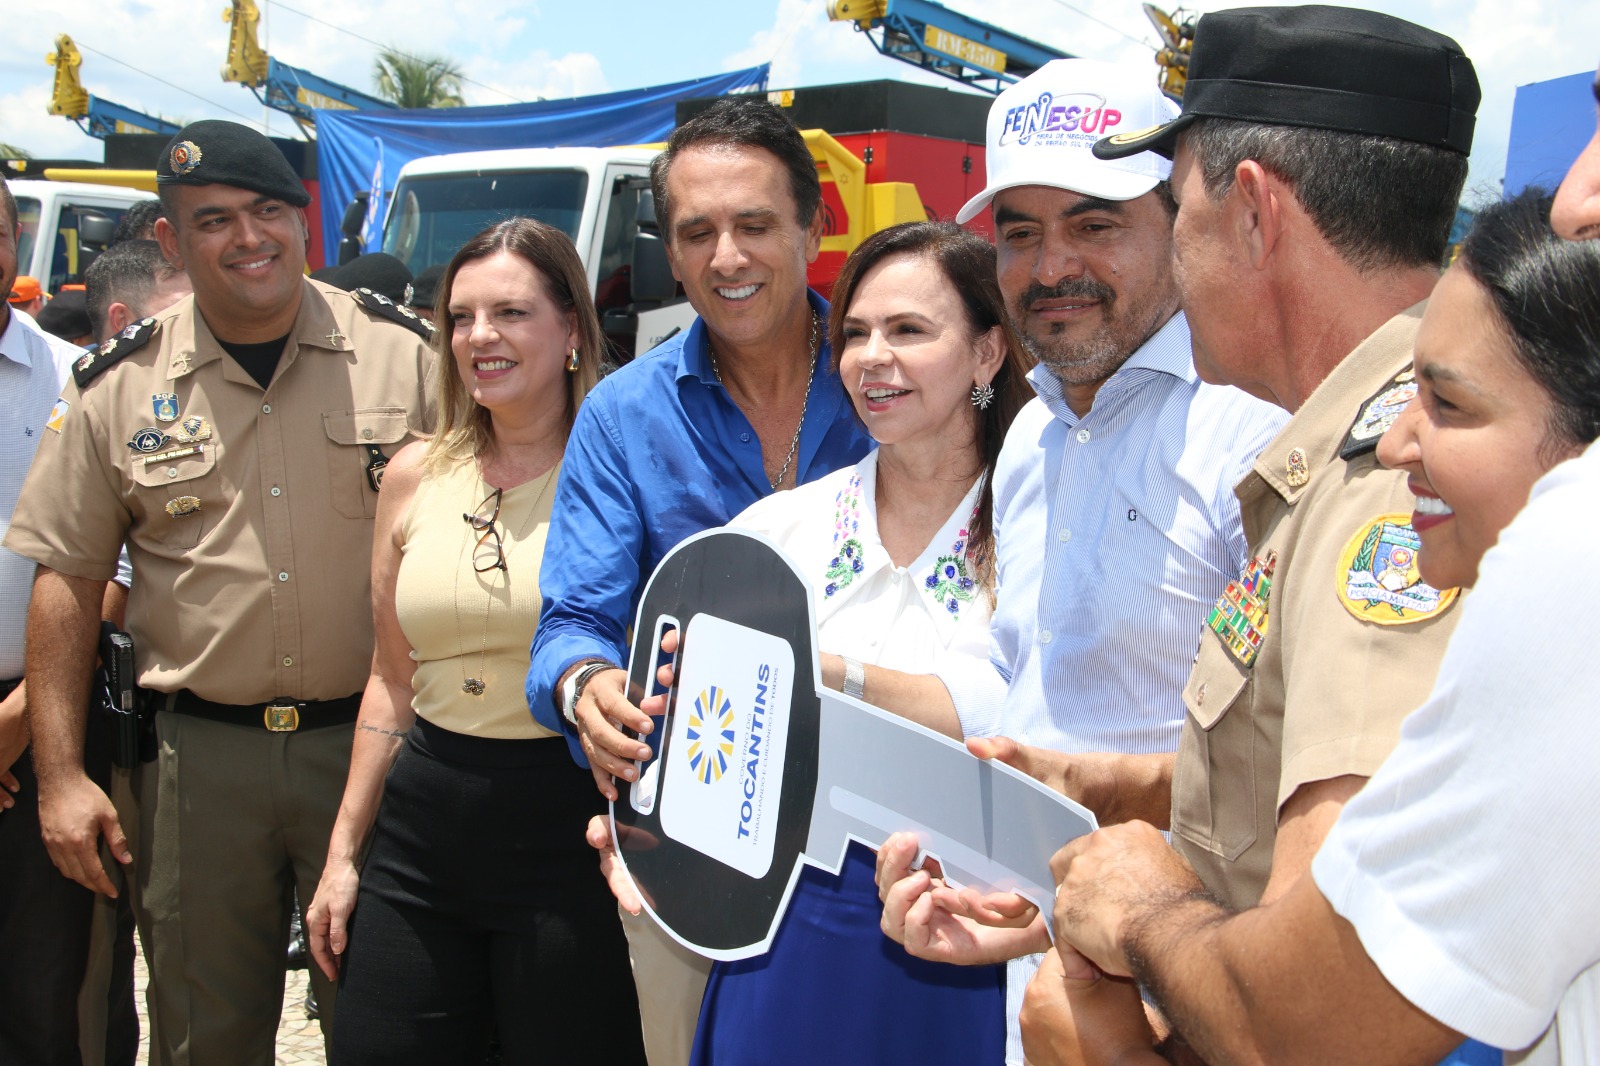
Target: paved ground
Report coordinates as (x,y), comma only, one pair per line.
(299,1039)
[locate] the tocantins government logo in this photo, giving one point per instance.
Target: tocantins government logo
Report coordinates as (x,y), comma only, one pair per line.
(710,735)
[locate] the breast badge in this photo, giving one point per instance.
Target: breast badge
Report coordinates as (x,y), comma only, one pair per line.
(1377,579)
(149,440)
(1240,615)
(183,505)
(166,406)
(192,430)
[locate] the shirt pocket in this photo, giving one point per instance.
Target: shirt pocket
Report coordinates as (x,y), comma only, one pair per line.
(181,495)
(352,435)
(1214,782)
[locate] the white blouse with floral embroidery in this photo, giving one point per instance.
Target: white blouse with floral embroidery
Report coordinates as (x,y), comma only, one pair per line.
(926,618)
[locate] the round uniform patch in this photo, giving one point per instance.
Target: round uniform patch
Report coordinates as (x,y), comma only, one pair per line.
(1377,579)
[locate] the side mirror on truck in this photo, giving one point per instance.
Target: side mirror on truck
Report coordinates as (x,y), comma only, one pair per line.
(350,227)
(651,275)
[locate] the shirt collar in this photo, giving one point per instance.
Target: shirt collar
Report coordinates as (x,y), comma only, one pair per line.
(694,356)
(14,342)
(1166,352)
(193,344)
(936,588)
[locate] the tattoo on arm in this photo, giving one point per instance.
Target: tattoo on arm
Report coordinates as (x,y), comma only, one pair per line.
(398,734)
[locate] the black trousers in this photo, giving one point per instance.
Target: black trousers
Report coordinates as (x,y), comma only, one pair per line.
(44,934)
(482,913)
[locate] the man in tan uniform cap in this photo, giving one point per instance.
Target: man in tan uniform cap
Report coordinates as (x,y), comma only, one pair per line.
(1317,164)
(236,442)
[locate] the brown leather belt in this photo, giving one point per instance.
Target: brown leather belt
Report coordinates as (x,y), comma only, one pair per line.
(276,716)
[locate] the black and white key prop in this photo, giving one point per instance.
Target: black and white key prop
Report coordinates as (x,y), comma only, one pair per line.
(758,768)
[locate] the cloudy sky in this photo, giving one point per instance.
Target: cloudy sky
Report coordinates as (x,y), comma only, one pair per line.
(164,57)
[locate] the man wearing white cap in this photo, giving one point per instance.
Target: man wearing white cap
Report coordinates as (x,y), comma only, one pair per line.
(1116,526)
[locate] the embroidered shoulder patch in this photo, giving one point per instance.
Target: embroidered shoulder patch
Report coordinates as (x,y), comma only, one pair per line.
(1377,578)
(58,416)
(113,351)
(380,306)
(1378,413)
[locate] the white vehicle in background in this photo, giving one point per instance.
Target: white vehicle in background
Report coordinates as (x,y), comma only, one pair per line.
(65,224)
(600,197)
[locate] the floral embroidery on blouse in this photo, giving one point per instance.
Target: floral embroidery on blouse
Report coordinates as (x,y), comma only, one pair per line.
(949,584)
(847,561)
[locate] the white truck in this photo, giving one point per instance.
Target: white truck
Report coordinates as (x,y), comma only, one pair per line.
(600,197)
(65,224)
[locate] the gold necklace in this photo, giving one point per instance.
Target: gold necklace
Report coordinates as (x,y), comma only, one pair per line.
(794,445)
(475,686)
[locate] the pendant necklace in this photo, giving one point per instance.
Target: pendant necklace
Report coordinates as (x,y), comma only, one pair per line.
(794,445)
(486,531)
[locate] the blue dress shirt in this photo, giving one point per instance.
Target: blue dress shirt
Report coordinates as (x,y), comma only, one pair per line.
(659,452)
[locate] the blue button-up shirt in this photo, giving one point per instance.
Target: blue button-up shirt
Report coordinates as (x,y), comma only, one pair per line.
(659,452)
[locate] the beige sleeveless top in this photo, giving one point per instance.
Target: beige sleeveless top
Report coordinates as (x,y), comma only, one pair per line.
(465,625)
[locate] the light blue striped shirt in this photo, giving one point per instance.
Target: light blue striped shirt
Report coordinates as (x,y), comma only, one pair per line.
(1114,534)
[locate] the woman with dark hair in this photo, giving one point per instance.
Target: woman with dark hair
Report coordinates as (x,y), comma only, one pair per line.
(1508,383)
(900,552)
(476,912)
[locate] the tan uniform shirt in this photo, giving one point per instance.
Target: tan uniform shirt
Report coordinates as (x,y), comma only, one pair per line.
(1326,690)
(250,533)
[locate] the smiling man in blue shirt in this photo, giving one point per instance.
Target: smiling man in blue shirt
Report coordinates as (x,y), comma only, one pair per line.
(740,405)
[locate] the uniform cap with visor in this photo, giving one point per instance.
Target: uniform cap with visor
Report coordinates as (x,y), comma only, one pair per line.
(1328,68)
(1042,129)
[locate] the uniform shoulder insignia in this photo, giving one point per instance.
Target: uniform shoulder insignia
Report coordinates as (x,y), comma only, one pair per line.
(1378,413)
(376,303)
(1377,578)
(113,351)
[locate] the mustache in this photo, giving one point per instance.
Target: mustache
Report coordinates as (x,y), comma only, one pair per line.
(1068,288)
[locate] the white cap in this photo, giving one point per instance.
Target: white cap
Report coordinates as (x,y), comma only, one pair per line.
(1042,128)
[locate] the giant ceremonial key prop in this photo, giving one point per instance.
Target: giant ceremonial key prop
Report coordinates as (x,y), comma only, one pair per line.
(757,767)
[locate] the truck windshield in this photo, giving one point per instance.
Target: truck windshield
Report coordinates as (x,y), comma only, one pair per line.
(28,216)
(433,216)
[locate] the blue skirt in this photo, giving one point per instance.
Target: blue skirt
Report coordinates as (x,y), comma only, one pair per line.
(834,989)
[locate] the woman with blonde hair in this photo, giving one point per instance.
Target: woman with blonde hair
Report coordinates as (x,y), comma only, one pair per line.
(476,912)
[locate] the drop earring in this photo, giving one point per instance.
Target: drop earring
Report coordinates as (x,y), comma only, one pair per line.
(572,362)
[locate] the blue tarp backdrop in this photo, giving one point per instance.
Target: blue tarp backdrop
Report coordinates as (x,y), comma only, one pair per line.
(1551,121)
(365,149)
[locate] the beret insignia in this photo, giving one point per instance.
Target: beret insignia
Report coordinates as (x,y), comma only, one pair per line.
(184,157)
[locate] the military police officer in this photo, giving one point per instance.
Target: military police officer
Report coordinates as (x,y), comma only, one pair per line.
(236,442)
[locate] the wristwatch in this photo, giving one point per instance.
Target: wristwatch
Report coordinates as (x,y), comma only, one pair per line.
(572,688)
(855,678)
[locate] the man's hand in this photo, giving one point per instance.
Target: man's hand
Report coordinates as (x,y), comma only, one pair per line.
(13,741)
(1117,788)
(73,813)
(933,921)
(328,917)
(1073,1015)
(599,837)
(601,710)
(1110,880)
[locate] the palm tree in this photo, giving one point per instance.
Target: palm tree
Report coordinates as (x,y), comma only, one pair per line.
(409,80)
(11,151)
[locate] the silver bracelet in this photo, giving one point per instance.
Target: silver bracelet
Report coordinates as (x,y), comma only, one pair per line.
(855,678)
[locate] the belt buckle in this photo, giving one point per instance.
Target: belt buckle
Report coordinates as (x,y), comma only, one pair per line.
(281,716)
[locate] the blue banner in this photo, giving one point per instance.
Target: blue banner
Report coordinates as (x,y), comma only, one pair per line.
(366,149)
(1551,121)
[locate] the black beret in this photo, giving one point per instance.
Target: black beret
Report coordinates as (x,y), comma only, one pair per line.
(215,151)
(1331,68)
(425,289)
(378,271)
(66,316)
